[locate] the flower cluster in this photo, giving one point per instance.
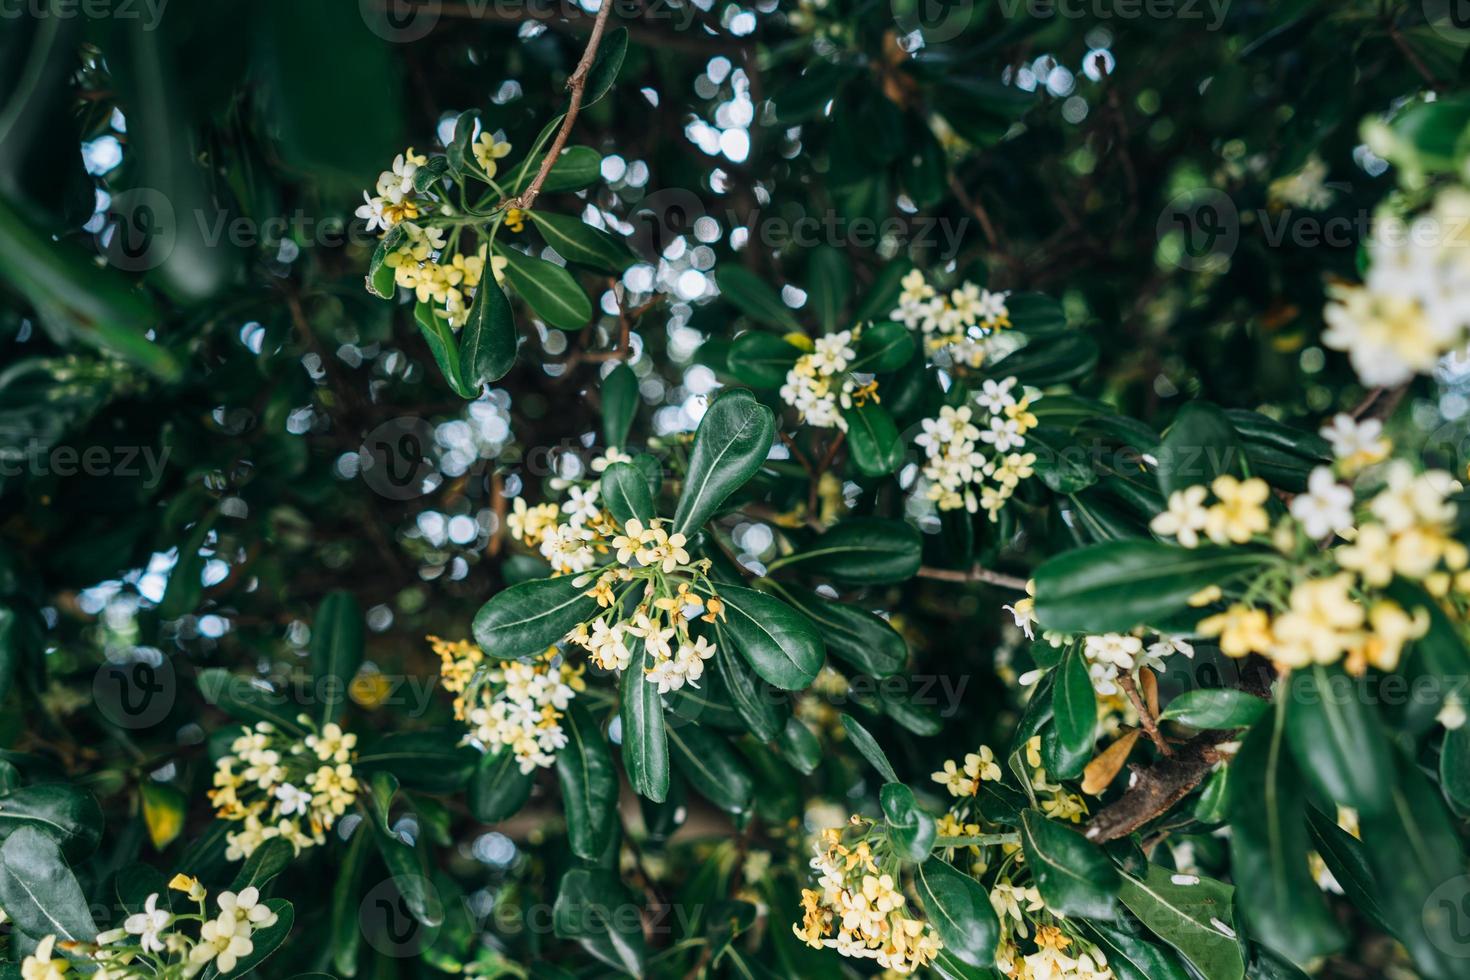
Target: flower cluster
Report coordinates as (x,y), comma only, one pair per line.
(575,534)
(1412,306)
(1053,957)
(858,907)
(819,386)
(966,322)
(278,785)
(422,258)
(676,590)
(955,464)
(512,704)
(1111,653)
(158,942)
(1344,544)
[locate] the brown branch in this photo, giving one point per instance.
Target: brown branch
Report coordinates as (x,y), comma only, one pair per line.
(1380,403)
(1413,58)
(1145,716)
(577,84)
(1156,788)
(975,574)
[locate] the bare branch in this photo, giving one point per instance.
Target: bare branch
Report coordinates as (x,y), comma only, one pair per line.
(976,574)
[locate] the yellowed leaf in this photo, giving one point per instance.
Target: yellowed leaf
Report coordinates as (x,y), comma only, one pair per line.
(163,813)
(1101,771)
(1150,690)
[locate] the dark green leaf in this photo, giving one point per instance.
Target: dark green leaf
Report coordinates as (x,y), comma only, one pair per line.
(523,620)
(1074,708)
(38,890)
(959,909)
(831,284)
(748,293)
(761,359)
(1073,875)
(581,244)
(645,746)
(487,344)
(595,909)
(1219,707)
(498,789)
(868,747)
(336,652)
(1200,445)
(779,643)
(872,439)
(1191,913)
(625,493)
(550,290)
(712,768)
(619,405)
(589,784)
(910,827)
(1339,745)
(863,551)
(731,443)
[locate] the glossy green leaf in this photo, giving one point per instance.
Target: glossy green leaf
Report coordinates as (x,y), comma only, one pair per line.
(830,277)
(589,784)
(862,551)
(595,909)
(498,788)
(525,619)
(1118,585)
(1219,707)
(1073,875)
(885,346)
(645,745)
(1131,957)
(868,747)
(959,909)
(1074,708)
(581,244)
(620,400)
(757,703)
(487,342)
(712,768)
(730,445)
(910,827)
(779,643)
(872,439)
(799,747)
(625,493)
(604,71)
(1200,445)
(444,347)
(38,890)
(67,814)
(428,761)
(550,290)
(1191,913)
(336,652)
(865,640)
(1338,742)
(761,359)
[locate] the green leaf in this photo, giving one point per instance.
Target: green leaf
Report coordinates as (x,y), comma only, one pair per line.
(550,290)
(380,276)
(619,405)
(595,909)
(625,493)
(336,652)
(731,443)
(761,359)
(799,746)
(525,619)
(1191,913)
(576,168)
(712,768)
(752,697)
(959,909)
(1268,846)
(442,345)
(1347,858)
(882,296)
(38,890)
(865,640)
(909,826)
(1073,875)
(498,788)
(68,815)
(1454,766)
(645,745)
(872,439)
(185,584)
(1048,361)
(831,284)
(487,344)
(403,861)
(581,244)
(1074,707)
(750,295)
(244,699)
(604,71)
(346,929)
(589,785)
(1118,585)
(863,551)
(868,747)
(1220,707)
(1132,958)
(1419,866)
(883,347)
(779,643)
(458,155)
(264,863)
(1200,445)
(1339,745)
(428,761)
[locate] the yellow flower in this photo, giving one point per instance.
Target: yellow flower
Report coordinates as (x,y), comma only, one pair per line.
(1392,629)
(488,150)
(515,220)
(188,885)
(1323,621)
(1239,513)
(40,966)
(957,782)
(1370,555)
(1241,629)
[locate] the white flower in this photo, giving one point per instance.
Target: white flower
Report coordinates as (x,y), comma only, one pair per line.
(372,213)
(1185,517)
(292,800)
(1004,434)
(581,505)
(995,396)
(1327,506)
(148,923)
(1114,649)
(833,353)
(1356,442)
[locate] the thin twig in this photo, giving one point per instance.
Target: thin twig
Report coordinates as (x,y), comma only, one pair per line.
(1145,716)
(976,574)
(577,84)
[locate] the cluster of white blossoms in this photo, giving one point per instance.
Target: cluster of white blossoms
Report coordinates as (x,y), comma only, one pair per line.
(1413,306)
(955,463)
(676,590)
(819,386)
(1111,654)
(280,786)
(516,705)
(160,943)
(575,535)
(966,322)
(418,257)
